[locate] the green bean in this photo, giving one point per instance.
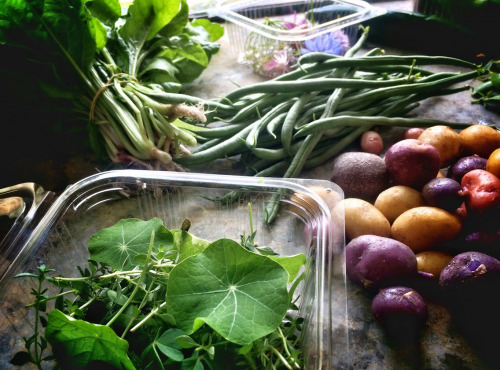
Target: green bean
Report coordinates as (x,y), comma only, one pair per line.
(228,147)
(317,84)
(288,124)
(275,154)
(260,105)
(252,137)
(221,131)
(325,123)
(324,155)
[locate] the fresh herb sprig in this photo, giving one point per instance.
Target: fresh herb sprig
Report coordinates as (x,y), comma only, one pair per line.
(157,298)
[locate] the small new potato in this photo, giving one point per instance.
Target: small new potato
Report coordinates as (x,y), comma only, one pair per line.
(362,218)
(413,133)
(423,228)
(480,139)
(396,200)
(447,141)
(371,142)
(431,263)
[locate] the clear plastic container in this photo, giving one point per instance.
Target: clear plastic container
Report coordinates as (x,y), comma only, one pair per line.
(55,231)
(266,35)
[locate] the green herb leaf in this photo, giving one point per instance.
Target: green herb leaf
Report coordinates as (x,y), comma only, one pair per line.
(146,18)
(187,244)
(168,346)
(77,343)
(118,245)
(292,264)
(241,295)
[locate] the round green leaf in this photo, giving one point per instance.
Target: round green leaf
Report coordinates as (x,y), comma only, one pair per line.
(118,245)
(240,294)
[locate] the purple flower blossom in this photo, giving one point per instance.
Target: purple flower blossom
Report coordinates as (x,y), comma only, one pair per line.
(335,42)
(294,21)
(279,64)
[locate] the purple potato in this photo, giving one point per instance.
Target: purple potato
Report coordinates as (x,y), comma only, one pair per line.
(464,165)
(374,262)
(470,269)
(444,193)
(401,310)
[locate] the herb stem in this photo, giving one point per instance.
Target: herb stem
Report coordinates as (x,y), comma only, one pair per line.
(136,288)
(52,297)
(148,316)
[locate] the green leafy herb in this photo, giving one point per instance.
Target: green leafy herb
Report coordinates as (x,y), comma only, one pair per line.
(158,298)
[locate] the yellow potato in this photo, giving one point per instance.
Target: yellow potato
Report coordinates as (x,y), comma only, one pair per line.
(447,141)
(433,262)
(362,218)
(423,228)
(396,200)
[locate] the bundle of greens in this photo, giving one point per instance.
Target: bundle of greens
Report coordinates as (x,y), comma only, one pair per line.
(154,298)
(119,69)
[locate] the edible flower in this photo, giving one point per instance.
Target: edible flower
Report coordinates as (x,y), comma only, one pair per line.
(280,63)
(335,42)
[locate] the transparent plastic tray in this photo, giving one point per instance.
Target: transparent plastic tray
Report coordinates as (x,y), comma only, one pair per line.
(247,18)
(55,230)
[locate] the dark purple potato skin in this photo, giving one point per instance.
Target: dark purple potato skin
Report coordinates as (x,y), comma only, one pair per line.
(401,310)
(470,269)
(374,262)
(464,165)
(444,193)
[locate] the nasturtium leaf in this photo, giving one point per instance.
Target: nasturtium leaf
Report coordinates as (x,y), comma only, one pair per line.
(292,264)
(78,343)
(239,294)
(118,245)
(187,244)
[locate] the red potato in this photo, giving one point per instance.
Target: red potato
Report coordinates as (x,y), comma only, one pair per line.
(413,133)
(371,142)
(482,194)
(412,163)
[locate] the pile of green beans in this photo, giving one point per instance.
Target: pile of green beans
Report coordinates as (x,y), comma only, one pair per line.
(303,118)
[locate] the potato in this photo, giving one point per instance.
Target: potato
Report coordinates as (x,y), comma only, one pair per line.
(397,199)
(413,133)
(447,141)
(464,165)
(423,228)
(493,163)
(374,262)
(412,163)
(480,139)
(470,268)
(482,194)
(443,192)
(431,263)
(362,218)
(401,311)
(371,142)
(360,175)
